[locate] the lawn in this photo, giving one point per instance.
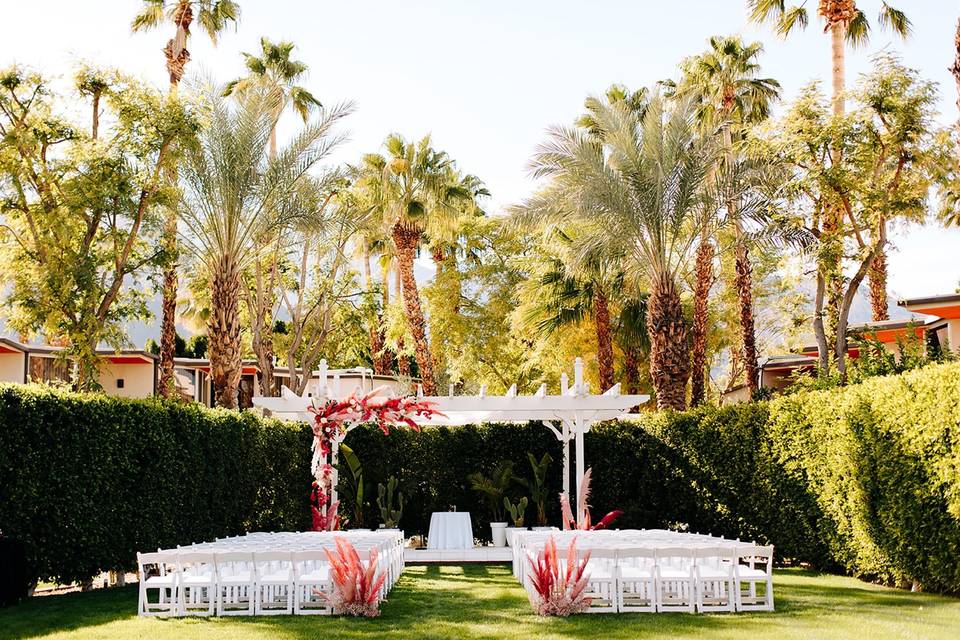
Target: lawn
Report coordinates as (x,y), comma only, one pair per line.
(486,602)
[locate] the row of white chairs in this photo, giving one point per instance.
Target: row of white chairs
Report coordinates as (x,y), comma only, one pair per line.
(256,574)
(681,572)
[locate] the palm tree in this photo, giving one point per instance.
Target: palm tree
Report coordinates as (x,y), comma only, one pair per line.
(847,24)
(574,292)
(275,69)
(213,16)
(642,177)
(723,83)
(234,194)
(417,193)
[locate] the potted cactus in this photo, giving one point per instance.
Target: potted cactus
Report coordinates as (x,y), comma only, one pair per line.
(516,512)
(389,515)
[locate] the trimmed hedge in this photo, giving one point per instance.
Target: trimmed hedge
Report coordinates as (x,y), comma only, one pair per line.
(864,479)
(86,481)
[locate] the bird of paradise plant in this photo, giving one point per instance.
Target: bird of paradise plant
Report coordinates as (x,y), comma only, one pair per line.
(582,522)
(356,589)
(559,589)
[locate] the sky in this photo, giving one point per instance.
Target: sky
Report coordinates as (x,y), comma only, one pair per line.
(486,79)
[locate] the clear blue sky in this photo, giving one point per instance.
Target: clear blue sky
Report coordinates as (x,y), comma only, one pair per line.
(485,78)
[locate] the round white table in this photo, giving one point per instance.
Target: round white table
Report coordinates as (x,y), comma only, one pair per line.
(450,530)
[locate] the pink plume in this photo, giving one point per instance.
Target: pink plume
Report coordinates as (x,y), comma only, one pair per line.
(566,514)
(608,519)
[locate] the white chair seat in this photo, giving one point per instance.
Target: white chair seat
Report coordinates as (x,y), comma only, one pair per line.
(747,572)
(197,580)
(713,572)
(242,577)
(629,572)
(318,575)
(279,577)
(161,581)
(674,574)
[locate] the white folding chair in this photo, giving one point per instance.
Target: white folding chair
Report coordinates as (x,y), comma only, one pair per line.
(675,580)
(235,583)
(311,577)
(601,572)
(748,575)
(637,580)
(163,578)
(714,579)
(274,577)
(196,584)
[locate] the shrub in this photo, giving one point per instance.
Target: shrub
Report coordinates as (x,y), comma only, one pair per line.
(88,480)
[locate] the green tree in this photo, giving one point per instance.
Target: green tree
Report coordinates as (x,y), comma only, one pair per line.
(891,155)
(644,182)
(79,205)
(234,194)
(419,194)
(724,84)
(213,16)
(847,25)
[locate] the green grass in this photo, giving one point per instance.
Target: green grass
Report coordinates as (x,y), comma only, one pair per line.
(486,602)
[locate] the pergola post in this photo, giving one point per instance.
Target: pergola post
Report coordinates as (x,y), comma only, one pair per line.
(578,434)
(565,443)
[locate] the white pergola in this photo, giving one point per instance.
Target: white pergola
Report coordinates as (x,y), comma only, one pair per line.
(568,415)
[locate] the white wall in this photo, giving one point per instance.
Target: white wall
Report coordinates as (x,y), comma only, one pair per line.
(137,379)
(11,367)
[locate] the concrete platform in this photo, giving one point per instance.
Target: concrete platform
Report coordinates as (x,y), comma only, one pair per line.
(457,556)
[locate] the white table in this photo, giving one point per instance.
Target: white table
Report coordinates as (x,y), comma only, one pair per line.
(450,530)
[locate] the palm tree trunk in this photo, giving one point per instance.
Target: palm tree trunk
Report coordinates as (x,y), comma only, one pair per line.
(403,364)
(703,271)
(743,281)
(878,287)
(406,241)
(601,321)
(631,369)
(177,57)
(375,328)
(669,348)
(223,330)
(838,33)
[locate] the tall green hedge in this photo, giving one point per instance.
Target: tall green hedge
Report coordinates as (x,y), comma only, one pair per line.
(86,481)
(864,479)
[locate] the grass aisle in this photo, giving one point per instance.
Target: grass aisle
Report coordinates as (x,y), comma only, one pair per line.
(486,602)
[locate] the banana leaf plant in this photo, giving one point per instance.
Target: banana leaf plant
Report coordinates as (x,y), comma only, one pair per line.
(537,486)
(494,487)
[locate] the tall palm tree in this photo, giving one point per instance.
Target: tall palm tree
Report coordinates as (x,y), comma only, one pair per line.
(723,82)
(417,194)
(278,73)
(642,177)
(575,292)
(234,194)
(213,16)
(275,69)
(846,24)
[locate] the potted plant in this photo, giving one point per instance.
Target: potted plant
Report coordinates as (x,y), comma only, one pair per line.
(389,515)
(516,512)
(493,489)
(537,487)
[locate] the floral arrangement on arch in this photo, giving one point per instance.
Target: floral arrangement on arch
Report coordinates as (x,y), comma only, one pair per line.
(333,419)
(559,589)
(356,588)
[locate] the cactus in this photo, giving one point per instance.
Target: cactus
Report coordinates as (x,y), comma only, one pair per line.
(391,517)
(516,510)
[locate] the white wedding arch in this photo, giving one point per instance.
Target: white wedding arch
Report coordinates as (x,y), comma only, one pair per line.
(568,415)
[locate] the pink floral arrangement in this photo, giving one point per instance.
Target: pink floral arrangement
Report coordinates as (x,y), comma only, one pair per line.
(559,588)
(331,423)
(583,523)
(356,589)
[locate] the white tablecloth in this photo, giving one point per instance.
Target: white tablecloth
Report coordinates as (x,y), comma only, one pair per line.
(450,530)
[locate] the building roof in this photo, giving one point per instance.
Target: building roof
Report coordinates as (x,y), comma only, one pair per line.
(121,356)
(786,361)
(945,298)
(943,306)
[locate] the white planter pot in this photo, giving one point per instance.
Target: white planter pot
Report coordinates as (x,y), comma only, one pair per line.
(498,532)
